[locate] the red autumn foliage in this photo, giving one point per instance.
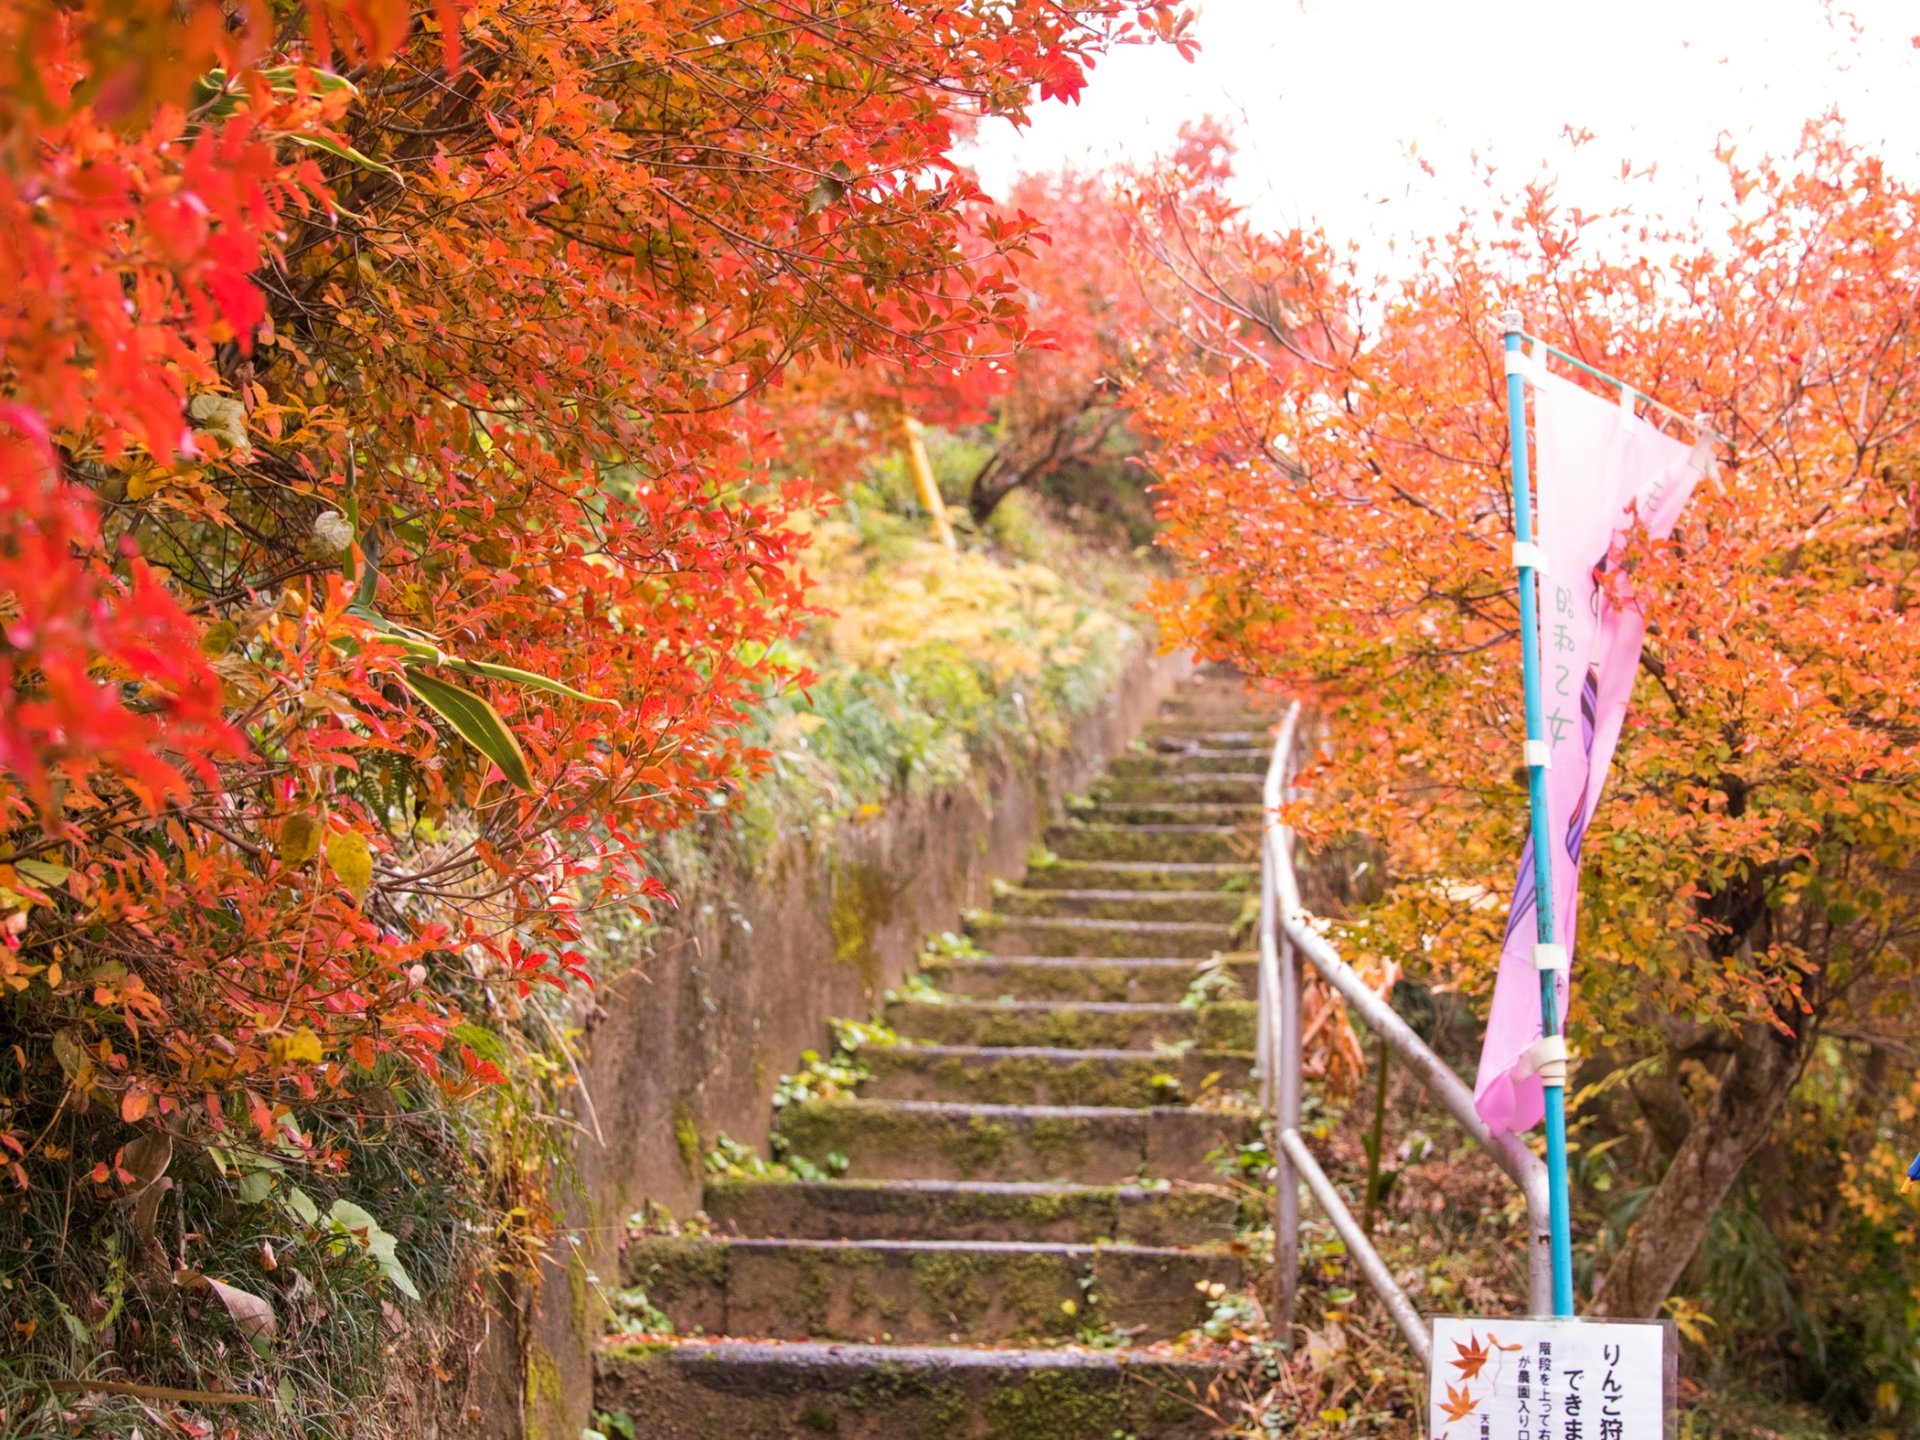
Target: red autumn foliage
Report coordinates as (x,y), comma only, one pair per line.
(390,561)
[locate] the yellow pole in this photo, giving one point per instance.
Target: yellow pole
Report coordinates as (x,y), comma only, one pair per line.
(923,479)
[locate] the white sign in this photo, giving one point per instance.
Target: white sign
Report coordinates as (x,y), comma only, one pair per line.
(1550,1379)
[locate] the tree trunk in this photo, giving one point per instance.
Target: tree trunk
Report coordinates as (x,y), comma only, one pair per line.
(996,480)
(1734,1124)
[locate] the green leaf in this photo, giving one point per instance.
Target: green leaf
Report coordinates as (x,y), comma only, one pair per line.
(344,151)
(525,677)
(424,648)
(482,1041)
(347,1216)
(42,872)
(254,1188)
(825,192)
(478,722)
(301,1204)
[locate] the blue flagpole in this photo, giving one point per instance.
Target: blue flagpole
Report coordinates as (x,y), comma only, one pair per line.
(1553,1072)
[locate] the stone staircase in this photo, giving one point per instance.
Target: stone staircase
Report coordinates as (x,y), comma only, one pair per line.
(1024,1201)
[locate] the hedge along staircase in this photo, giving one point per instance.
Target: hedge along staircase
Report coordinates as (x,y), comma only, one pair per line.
(1028,1168)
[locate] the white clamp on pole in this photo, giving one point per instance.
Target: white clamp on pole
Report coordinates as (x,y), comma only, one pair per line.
(1538,753)
(1529,555)
(1549,957)
(1548,1058)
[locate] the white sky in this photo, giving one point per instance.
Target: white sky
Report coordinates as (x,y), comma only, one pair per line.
(1333,100)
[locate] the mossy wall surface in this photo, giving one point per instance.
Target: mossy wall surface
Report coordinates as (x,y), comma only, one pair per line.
(690,1044)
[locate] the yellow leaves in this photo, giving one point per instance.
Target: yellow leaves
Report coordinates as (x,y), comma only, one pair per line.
(351,860)
(1018,620)
(300,1047)
(15,974)
(218,638)
(299,840)
(222,416)
(1690,1319)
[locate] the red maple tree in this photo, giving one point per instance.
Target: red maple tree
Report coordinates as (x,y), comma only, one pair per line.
(388,559)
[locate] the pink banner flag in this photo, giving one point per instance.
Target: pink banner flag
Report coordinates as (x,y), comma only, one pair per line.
(1599,469)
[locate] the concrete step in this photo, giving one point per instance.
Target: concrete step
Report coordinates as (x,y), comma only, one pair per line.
(1079,935)
(1234,706)
(971,1210)
(1156,875)
(1178,732)
(1207,844)
(1075,1025)
(915,1291)
(750,1391)
(1222,907)
(1219,759)
(1160,979)
(1085,1145)
(1171,813)
(1215,787)
(1039,1075)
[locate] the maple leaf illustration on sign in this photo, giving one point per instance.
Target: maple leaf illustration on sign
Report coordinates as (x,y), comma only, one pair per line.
(1472,1357)
(1459,1403)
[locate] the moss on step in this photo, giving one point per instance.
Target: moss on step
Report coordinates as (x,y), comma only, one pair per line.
(980,1146)
(1226,1025)
(1055,1407)
(947,1283)
(1059,1144)
(1030,1286)
(635,1351)
(666,1266)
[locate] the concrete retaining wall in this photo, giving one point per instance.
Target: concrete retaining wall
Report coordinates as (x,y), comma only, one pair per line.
(692,1044)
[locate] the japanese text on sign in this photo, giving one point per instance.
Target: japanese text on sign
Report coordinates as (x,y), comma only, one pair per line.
(1549,1380)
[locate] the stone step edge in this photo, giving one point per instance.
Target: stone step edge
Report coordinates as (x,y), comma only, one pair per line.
(988,961)
(967,1004)
(1013,891)
(849,1357)
(1066,1250)
(1062,1053)
(998,920)
(1010,1188)
(966,1109)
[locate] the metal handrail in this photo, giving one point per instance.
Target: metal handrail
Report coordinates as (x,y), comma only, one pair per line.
(1287,932)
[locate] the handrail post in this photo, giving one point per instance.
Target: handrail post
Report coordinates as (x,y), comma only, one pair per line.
(1278,1016)
(1286,1180)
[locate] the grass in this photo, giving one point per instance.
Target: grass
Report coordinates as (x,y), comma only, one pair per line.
(96,1289)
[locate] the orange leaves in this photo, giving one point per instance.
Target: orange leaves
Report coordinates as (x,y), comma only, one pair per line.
(1344,524)
(1459,1404)
(1472,1356)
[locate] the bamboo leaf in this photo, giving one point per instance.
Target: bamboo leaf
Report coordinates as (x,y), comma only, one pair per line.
(525,677)
(344,151)
(478,723)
